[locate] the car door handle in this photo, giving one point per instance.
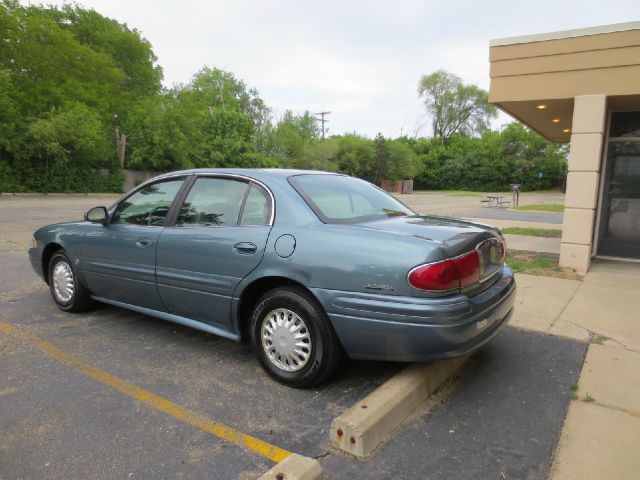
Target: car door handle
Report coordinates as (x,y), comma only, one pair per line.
(144,242)
(245,248)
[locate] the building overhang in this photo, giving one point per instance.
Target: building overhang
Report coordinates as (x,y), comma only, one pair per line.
(535,78)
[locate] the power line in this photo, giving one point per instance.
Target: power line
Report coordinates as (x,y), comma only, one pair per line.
(322,114)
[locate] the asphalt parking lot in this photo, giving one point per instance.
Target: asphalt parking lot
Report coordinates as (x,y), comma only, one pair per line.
(114,394)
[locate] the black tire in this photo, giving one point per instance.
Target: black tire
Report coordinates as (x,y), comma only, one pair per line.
(325,349)
(80,298)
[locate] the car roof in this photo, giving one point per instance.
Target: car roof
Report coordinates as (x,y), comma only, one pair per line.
(257,173)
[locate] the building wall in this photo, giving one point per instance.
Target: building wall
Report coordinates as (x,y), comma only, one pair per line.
(529,70)
(583,180)
(562,84)
(554,68)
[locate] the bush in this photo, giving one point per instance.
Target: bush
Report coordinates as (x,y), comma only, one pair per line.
(27,177)
(491,162)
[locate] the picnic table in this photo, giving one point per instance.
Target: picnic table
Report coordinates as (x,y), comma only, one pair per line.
(495,201)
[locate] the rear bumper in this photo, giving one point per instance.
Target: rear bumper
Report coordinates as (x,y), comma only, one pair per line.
(410,329)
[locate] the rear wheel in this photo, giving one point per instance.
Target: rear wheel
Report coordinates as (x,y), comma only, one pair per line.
(66,289)
(293,338)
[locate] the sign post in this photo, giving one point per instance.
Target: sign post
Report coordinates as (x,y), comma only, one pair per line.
(516,188)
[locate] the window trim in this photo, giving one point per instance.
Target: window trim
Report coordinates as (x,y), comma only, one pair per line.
(173,216)
(186,180)
(244,204)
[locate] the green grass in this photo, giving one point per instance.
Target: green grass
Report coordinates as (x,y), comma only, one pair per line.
(574,392)
(542,207)
(523,262)
(466,193)
(533,232)
(538,263)
(588,398)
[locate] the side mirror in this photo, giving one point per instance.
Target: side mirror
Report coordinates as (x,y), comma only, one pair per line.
(97,215)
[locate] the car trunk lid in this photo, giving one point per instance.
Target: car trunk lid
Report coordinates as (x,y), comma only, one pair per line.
(454,238)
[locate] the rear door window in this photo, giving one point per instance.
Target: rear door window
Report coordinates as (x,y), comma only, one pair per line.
(257,208)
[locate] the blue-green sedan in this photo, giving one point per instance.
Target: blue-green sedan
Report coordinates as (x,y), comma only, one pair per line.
(307,265)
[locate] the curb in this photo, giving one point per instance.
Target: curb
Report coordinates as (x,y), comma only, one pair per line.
(373,420)
(295,467)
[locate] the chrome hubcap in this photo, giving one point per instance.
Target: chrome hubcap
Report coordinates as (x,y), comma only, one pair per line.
(62,277)
(286,340)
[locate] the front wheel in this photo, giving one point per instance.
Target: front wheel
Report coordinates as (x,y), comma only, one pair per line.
(293,338)
(66,289)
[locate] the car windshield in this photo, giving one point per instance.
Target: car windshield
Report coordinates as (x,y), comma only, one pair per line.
(342,199)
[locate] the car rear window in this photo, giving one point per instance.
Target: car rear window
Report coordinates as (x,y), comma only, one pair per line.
(342,199)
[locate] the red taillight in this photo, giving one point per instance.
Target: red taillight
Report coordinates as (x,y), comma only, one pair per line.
(468,267)
(448,274)
(435,276)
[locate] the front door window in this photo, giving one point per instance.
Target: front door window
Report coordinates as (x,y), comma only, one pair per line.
(149,205)
(213,202)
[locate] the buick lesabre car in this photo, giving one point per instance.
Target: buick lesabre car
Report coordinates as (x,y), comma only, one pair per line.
(306,265)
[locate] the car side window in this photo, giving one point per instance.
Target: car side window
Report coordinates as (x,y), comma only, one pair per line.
(257,208)
(149,205)
(213,202)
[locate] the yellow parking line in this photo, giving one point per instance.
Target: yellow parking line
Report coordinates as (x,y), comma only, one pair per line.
(157,402)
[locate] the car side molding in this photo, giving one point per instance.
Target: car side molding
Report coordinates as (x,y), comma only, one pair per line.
(169,317)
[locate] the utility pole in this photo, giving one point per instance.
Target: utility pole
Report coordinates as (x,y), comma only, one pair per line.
(121,145)
(121,142)
(322,114)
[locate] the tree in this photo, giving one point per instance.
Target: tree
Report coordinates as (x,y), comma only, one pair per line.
(403,163)
(319,155)
(72,134)
(291,135)
(355,155)
(491,162)
(10,120)
(64,73)
(213,121)
(132,54)
(453,106)
(393,160)
(49,66)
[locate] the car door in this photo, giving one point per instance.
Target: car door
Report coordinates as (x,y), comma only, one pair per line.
(118,259)
(218,238)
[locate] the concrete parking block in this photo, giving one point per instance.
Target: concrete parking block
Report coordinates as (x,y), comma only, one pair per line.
(373,420)
(611,375)
(295,467)
(597,443)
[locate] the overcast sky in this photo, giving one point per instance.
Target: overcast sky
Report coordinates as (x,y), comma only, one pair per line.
(361,60)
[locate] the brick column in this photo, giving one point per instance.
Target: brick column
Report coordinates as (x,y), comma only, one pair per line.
(583,180)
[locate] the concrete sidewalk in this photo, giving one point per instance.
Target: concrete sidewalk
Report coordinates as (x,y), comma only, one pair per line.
(602,429)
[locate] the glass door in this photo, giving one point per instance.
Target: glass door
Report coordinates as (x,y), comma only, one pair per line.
(620,221)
